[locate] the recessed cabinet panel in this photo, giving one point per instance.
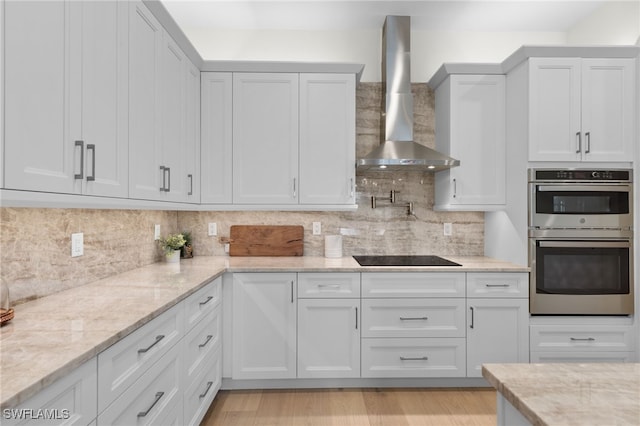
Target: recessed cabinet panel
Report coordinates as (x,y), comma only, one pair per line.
(265,138)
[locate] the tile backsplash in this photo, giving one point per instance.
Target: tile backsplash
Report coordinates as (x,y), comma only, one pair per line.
(35,247)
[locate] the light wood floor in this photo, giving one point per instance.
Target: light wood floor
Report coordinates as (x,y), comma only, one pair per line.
(353,407)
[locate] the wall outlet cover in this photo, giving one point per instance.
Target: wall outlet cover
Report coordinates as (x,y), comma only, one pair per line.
(77,244)
(213,229)
(156,232)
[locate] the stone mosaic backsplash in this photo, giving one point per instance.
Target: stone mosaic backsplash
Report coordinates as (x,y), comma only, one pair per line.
(35,248)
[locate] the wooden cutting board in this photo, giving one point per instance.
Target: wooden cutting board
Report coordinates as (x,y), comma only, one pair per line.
(266,240)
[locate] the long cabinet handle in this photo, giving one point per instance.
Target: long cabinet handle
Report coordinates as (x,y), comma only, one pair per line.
(202,345)
(158,339)
(414,318)
(295,189)
(92,147)
(291,291)
(471,308)
(207,300)
(81,174)
(190,177)
(455,188)
(579,339)
(407,358)
(328,285)
(579,140)
(206,391)
(168,170)
(356,317)
(587,137)
(158,397)
(497,285)
(164,180)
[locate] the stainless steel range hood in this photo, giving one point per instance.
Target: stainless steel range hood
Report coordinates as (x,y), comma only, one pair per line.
(398,151)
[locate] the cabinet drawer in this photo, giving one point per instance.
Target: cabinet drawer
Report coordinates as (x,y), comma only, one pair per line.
(120,365)
(413,357)
(413,317)
(198,345)
(582,357)
(548,338)
(202,302)
(72,399)
(413,284)
(199,395)
(489,284)
(152,398)
(328,285)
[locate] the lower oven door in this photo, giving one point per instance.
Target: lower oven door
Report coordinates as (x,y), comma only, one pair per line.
(581,277)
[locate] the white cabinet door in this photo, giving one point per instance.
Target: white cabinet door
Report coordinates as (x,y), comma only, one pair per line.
(328,338)
(145,150)
(470,126)
(265,138)
(327,138)
(217,137)
(264,326)
(39,150)
(581,109)
(608,109)
(192,133)
(172,117)
(554,115)
(498,332)
(103,124)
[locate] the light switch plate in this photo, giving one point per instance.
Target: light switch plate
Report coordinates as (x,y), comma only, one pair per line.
(77,244)
(156,232)
(317,228)
(213,229)
(448,229)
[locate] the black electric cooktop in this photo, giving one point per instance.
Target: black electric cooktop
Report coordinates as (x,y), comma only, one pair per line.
(404,261)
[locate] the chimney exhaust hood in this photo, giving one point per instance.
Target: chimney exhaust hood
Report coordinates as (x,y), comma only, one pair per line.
(398,151)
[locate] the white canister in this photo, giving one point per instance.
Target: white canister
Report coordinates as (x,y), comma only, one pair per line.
(333,246)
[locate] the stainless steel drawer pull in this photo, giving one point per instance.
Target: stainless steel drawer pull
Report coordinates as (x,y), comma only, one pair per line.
(190,177)
(578,339)
(163,188)
(422,358)
(92,147)
(497,285)
(158,338)
(81,174)
(588,142)
(206,391)
(206,301)
(328,285)
(471,309)
(144,413)
(414,318)
(202,345)
(579,140)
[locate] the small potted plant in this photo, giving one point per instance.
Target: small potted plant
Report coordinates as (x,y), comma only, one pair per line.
(187,249)
(171,246)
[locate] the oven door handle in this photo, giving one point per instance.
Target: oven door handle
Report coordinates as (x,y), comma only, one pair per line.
(582,188)
(591,243)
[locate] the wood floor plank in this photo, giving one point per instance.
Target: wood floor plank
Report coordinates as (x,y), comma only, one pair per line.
(354,407)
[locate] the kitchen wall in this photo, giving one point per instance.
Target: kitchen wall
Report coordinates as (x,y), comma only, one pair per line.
(35,243)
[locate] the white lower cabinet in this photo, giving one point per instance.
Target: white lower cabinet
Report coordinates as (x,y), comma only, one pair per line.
(582,343)
(497,318)
(70,400)
(153,398)
(329,325)
(204,387)
(413,357)
(264,326)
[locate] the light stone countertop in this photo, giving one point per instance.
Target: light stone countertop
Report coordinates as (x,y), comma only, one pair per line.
(597,394)
(51,336)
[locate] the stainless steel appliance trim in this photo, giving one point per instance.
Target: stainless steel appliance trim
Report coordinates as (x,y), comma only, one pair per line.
(595,186)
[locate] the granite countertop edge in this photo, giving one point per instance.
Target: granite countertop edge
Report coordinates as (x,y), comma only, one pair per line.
(192,275)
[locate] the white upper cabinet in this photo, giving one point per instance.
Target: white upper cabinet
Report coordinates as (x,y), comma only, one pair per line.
(470,127)
(145,44)
(327,138)
(265,138)
(581,109)
(162,96)
(217,137)
(65,97)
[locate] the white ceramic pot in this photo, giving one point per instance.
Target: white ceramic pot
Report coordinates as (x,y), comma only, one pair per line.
(173,257)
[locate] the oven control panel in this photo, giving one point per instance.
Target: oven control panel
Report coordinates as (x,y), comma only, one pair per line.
(550,175)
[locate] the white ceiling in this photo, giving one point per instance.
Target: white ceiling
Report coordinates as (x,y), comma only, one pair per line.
(432,15)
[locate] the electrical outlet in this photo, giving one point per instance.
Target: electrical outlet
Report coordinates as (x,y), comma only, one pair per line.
(226,248)
(213,229)
(156,232)
(317,228)
(448,229)
(77,244)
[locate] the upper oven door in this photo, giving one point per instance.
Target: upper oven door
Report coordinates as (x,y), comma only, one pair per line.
(568,205)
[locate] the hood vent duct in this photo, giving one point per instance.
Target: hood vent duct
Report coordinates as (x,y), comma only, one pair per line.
(398,151)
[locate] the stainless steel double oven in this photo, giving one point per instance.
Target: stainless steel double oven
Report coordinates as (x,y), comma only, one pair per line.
(581,242)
